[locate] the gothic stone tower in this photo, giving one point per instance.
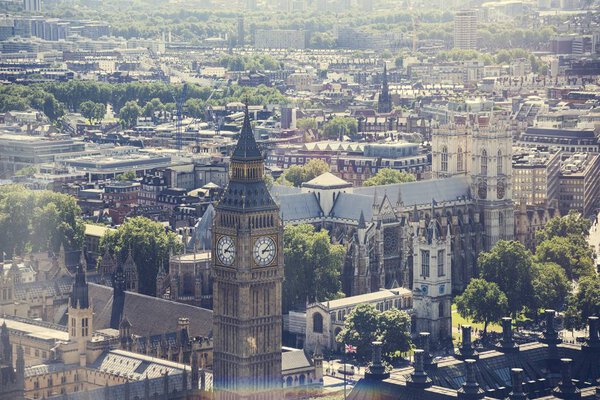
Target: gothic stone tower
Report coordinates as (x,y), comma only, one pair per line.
(248,273)
(491,179)
(432,280)
(80,314)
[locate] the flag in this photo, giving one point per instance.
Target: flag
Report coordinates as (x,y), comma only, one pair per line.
(349,348)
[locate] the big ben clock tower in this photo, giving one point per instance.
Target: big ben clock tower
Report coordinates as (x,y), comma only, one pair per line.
(248,274)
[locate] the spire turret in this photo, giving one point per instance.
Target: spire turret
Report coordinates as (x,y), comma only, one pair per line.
(79,294)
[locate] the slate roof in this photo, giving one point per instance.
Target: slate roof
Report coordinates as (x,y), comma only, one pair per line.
(246,148)
(300,206)
(349,205)
(148,315)
(202,231)
(421,192)
(135,366)
(294,359)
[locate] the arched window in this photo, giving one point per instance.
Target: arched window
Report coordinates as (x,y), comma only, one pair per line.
(484,162)
(459,160)
(444,159)
(317,323)
(501,225)
(302,379)
(441,310)
(289,381)
(499,164)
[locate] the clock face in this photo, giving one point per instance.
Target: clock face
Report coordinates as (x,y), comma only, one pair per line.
(482,190)
(264,251)
(500,190)
(226,250)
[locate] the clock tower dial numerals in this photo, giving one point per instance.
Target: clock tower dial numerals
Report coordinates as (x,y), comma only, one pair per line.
(264,251)
(226,250)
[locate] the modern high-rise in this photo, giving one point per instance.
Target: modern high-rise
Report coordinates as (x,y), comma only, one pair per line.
(465,30)
(32,5)
(248,275)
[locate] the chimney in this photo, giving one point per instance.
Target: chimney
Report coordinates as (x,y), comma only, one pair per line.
(466,347)
(376,370)
(566,389)
(470,390)
(516,377)
(419,379)
(424,343)
(550,336)
(593,341)
(183,324)
(507,344)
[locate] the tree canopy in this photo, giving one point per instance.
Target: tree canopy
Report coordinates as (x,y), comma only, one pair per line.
(550,286)
(340,126)
(150,245)
(298,174)
(366,324)
(569,252)
(38,221)
(482,302)
(313,266)
(585,302)
(509,264)
(388,176)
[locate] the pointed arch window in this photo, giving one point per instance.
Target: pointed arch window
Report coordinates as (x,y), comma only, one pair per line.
(460,160)
(444,166)
(502,227)
(484,162)
(499,164)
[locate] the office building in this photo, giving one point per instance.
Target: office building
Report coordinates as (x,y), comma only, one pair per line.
(465,30)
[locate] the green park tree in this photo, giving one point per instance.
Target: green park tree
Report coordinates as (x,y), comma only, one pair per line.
(570,225)
(584,303)
(509,264)
(340,126)
(550,286)
(313,266)
(150,245)
(38,221)
(571,253)
(387,176)
(129,114)
(366,324)
(305,124)
(482,302)
(298,174)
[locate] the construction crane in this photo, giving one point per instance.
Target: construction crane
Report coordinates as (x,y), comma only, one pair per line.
(178,125)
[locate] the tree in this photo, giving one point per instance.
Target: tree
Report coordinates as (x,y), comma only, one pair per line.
(387,176)
(584,303)
(569,253)
(550,286)
(88,110)
(38,221)
(127,176)
(305,124)
(366,324)
(313,266)
(482,302)
(99,112)
(195,108)
(340,126)
(570,225)
(153,106)
(297,174)
(150,245)
(129,114)
(509,265)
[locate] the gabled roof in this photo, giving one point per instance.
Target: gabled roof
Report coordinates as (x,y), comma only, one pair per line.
(422,192)
(349,206)
(300,206)
(137,307)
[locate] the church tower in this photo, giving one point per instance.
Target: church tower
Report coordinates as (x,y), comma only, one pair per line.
(384,102)
(491,179)
(432,280)
(450,151)
(80,314)
(247,253)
